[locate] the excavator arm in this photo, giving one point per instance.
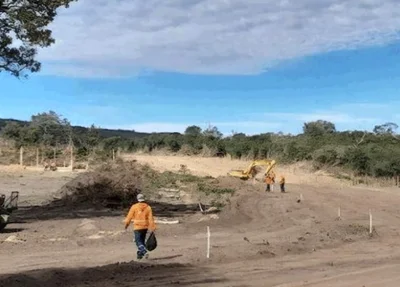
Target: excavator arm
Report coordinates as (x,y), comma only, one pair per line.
(250,171)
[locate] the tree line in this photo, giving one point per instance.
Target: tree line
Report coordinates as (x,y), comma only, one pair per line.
(375,153)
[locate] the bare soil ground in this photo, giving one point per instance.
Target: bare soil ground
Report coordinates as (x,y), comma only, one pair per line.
(259,239)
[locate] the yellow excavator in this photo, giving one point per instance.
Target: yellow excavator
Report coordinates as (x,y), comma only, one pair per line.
(250,171)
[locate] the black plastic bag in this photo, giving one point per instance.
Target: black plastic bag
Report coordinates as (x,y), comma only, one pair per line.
(151,242)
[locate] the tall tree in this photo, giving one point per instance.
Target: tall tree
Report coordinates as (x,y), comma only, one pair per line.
(212,132)
(386,128)
(51,129)
(319,127)
(23,28)
(193,131)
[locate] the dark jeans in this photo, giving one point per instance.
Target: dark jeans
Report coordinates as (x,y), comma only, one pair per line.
(268,188)
(140,239)
(282,187)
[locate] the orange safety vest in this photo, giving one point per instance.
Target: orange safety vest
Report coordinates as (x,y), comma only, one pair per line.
(142,216)
(268,180)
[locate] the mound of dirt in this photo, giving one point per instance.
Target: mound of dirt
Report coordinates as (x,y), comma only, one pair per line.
(234,183)
(116,186)
(285,226)
(111,185)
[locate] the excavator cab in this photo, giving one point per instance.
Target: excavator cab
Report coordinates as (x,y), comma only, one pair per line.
(251,171)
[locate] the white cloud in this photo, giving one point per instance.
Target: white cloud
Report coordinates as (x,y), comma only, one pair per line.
(118,38)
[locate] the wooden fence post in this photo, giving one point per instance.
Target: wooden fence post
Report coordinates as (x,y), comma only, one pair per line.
(208,241)
(370,222)
(37,157)
(72,158)
(21,156)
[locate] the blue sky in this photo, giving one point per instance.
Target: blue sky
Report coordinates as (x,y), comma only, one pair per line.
(247,85)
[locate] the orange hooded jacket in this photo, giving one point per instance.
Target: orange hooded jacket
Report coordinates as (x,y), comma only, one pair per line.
(142,216)
(268,180)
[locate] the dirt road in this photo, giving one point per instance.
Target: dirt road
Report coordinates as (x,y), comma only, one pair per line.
(260,239)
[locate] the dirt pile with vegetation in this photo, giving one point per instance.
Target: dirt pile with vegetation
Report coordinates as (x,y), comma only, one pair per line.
(117,184)
(107,185)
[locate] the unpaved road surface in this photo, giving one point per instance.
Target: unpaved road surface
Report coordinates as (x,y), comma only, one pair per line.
(34,185)
(259,239)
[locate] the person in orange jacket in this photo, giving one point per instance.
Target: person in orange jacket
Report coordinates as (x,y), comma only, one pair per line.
(143,221)
(268,181)
(282,183)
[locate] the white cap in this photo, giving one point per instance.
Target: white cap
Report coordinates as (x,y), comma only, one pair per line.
(140,197)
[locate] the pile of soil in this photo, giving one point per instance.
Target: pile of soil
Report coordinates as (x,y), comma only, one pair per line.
(116,185)
(110,185)
(285,225)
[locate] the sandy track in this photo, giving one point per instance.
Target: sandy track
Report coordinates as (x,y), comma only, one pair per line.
(261,239)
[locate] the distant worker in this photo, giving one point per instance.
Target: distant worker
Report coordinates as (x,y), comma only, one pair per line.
(142,216)
(282,183)
(268,181)
(273,175)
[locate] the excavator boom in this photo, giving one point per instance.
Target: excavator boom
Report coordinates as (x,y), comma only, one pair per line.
(250,171)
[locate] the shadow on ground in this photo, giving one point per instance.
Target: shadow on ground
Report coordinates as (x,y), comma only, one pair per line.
(120,274)
(11,230)
(58,210)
